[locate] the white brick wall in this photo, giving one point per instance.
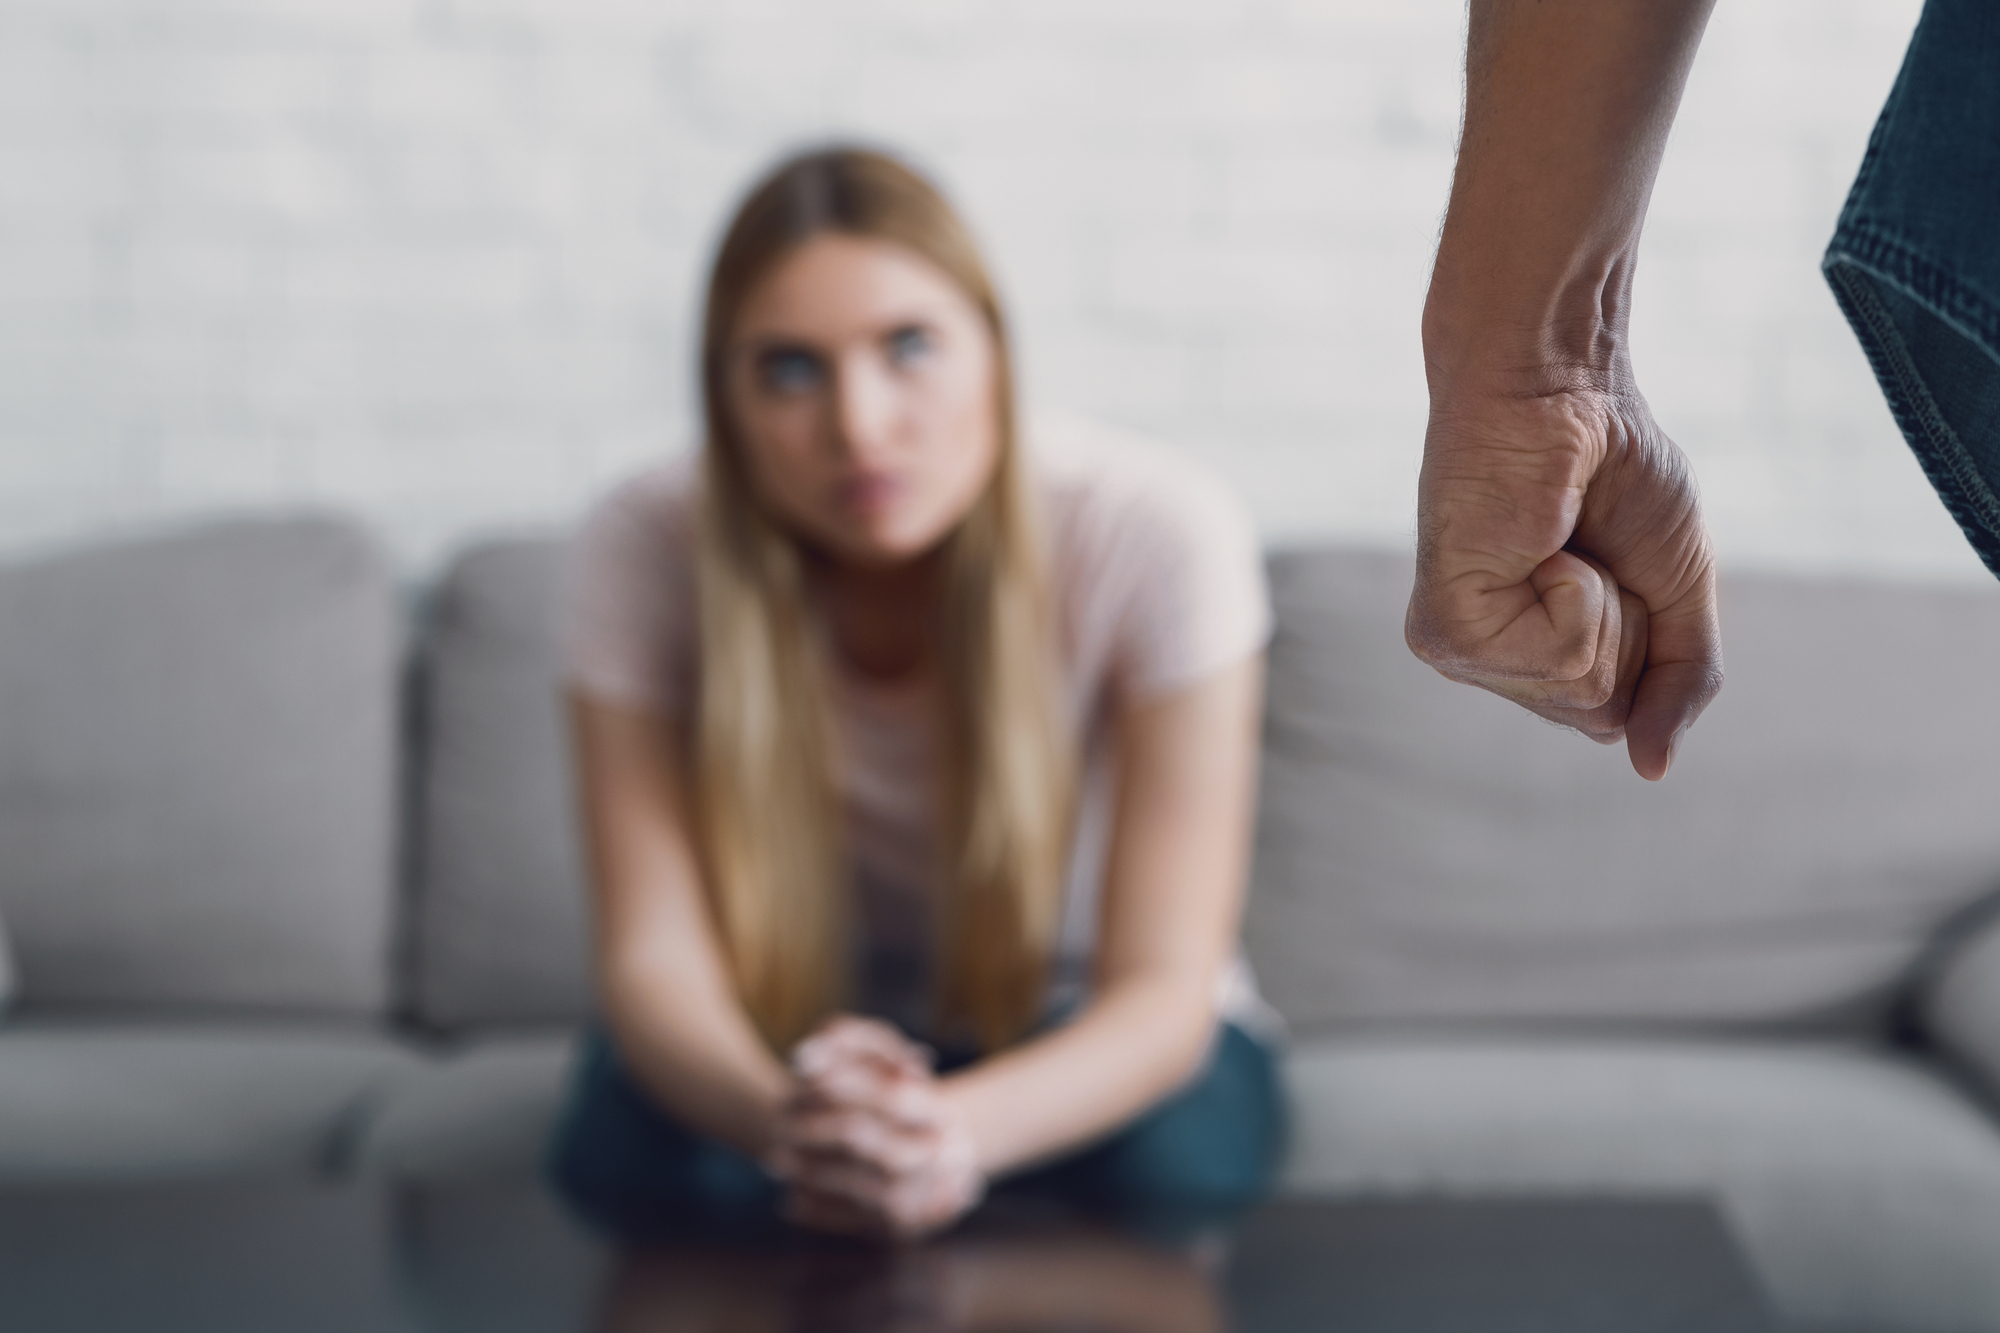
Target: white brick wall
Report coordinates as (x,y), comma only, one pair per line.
(434,260)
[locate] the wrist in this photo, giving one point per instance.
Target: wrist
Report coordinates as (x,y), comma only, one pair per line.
(763,1118)
(960,1104)
(1499,328)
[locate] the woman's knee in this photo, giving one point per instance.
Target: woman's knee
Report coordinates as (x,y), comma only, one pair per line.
(1218,1142)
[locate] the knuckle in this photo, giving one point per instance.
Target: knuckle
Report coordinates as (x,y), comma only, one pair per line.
(1594,691)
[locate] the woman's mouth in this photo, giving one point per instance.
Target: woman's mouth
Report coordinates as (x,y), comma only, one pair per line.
(868,493)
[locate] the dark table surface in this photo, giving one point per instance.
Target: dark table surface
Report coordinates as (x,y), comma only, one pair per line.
(503,1258)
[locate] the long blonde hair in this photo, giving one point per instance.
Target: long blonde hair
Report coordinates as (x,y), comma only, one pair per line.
(766,812)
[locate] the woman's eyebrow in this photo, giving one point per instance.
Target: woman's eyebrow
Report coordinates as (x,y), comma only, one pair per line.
(759,343)
(932,329)
(763,342)
(917,314)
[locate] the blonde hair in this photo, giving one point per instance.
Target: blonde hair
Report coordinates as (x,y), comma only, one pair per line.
(765,810)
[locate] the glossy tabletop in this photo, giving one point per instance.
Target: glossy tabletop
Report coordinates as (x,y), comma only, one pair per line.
(503,1258)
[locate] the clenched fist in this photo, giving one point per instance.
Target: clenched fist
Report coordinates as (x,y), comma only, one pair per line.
(1562,563)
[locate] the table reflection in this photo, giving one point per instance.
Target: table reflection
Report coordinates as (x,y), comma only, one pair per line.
(1075,1278)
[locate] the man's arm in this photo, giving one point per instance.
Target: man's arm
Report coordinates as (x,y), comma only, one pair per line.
(1562,561)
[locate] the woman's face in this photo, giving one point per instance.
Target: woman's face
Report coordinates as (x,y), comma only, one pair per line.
(860,379)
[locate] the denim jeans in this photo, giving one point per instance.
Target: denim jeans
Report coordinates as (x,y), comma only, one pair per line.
(1915,259)
(634,1172)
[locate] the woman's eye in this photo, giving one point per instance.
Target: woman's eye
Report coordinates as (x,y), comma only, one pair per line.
(788,371)
(909,345)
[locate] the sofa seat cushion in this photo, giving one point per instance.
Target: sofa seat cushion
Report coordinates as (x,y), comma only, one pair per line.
(102,1102)
(482,1111)
(1864,1187)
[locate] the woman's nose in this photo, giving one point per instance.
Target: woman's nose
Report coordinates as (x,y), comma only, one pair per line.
(864,410)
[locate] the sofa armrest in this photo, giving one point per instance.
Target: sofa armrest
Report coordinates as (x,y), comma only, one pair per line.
(1962,1007)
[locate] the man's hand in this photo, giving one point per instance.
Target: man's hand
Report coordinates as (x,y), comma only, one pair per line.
(1562,564)
(1561,559)
(869,1145)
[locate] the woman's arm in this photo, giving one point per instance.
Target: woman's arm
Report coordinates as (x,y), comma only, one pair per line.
(1173,894)
(665,989)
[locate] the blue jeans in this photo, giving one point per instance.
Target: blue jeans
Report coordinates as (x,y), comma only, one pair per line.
(1915,259)
(633,1171)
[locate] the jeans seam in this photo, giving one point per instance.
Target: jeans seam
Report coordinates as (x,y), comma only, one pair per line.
(1891,260)
(1917,410)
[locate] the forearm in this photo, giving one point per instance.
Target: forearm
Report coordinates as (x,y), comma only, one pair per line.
(1172,898)
(1132,1045)
(665,988)
(697,1055)
(1567,108)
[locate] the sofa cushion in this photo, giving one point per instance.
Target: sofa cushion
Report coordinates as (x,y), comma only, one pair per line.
(1962,1006)
(97,1101)
(197,771)
(1866,1190)
(6,968)
(483,1111)
(498,900)
(1429,851)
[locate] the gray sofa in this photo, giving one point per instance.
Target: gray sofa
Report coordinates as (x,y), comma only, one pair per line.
(292,889)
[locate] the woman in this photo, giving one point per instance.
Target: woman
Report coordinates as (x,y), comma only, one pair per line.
(889,731)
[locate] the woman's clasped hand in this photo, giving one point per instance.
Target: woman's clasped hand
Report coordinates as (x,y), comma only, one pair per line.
(869,1143)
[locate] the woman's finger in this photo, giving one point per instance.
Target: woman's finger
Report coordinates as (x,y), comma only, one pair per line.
(845,1178)
(833,1128)
(885,1147)
(847,1083)
(904,1098)
(847,1037)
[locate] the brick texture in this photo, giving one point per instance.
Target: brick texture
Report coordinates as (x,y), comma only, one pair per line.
(435,260)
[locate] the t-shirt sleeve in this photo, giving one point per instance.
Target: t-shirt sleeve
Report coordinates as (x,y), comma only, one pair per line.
(1197,601)
(628,608)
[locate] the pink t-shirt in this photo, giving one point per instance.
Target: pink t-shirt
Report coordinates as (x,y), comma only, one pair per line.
(1159,583)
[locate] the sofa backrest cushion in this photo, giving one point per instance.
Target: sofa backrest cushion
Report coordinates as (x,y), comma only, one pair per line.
(197,771)
(1430,852)
(6,968)
(1961,1009)
(497,902)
